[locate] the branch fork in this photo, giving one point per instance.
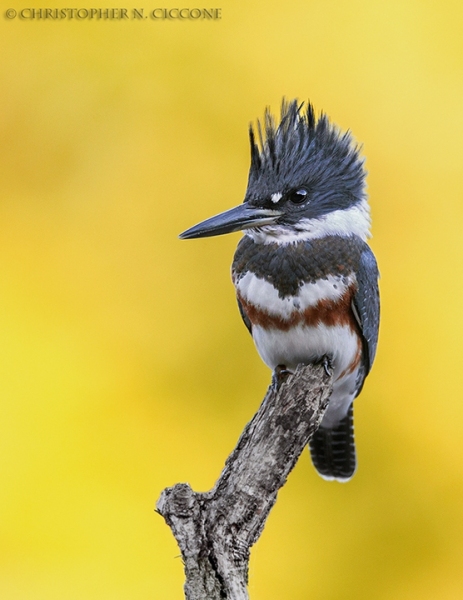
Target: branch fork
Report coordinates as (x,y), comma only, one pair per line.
(215,530)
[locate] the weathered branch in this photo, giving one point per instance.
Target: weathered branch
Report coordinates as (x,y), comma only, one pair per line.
(215,530)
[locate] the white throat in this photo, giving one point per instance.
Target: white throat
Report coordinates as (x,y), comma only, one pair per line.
(352,221)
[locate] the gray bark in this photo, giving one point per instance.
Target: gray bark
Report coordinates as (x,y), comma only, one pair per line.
(215,530)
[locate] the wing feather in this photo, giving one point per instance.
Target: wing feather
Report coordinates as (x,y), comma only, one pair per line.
(366,303)
(244,316)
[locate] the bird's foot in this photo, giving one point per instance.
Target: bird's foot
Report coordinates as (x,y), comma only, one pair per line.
(280,374)
(327,362)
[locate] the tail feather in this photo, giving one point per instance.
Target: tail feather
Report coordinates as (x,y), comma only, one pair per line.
(333,450)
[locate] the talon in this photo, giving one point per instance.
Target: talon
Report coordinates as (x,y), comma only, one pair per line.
(279,375)
(327,362)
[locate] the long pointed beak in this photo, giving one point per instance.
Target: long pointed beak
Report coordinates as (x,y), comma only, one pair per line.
(235,219)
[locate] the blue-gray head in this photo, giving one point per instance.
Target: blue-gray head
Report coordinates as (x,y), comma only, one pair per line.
(306,180)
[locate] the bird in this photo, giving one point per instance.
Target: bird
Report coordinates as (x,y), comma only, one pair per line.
(306,280)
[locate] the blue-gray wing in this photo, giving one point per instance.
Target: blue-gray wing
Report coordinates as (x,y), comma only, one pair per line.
(245,317)
(366,304)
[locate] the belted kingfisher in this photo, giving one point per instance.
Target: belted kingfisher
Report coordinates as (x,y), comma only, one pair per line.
(305,279)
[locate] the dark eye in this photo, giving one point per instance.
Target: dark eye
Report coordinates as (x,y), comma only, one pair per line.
(298,196)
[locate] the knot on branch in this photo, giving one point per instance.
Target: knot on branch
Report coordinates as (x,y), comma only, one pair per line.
(179,501)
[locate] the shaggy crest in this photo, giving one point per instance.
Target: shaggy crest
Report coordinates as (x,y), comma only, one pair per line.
(302,150)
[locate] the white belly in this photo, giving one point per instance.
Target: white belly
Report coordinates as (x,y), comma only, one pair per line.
(302,344)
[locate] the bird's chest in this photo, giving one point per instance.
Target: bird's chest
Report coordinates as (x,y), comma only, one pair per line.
(297,300)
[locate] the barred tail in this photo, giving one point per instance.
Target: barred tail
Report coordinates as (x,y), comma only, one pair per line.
(333,450)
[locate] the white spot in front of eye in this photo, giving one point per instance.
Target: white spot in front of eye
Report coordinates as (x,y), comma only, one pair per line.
(276,198)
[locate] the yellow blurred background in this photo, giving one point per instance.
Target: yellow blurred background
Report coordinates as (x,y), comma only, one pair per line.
(125,367)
